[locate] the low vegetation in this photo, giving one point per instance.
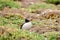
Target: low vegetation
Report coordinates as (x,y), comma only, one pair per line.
(53,1)
(13,22)
(8,3)
(34,7)
(10,22)
(20,35)
(52,35)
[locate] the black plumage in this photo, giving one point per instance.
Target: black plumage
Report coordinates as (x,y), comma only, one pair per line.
(22,25)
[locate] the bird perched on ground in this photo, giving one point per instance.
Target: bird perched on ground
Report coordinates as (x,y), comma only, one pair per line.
(27,24)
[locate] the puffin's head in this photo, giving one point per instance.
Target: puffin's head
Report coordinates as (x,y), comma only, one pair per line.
(28,19)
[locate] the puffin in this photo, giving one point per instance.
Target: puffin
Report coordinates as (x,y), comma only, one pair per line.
(27,25)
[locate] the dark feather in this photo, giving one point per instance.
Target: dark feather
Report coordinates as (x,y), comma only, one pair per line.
(22,25)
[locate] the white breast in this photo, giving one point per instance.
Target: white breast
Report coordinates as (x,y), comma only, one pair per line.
(27,25)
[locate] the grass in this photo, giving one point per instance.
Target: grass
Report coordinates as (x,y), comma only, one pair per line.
(52,35)
(47,22)
(11,20)
(56,2)
(34,7)
(21,34)
(9,3)
(32,36)
(14,21)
